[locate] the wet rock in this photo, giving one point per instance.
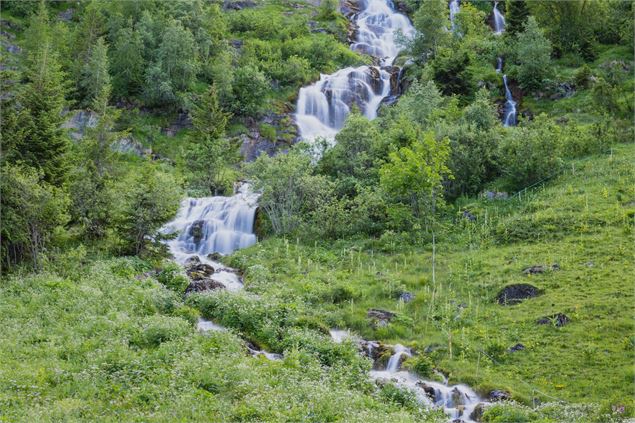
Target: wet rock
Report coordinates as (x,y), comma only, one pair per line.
(373,349)
(380,317)
(192,261)
(477,413)
(429,390)
(517,347)
(514,294)
(458,421)
(457,398)
(203,285)
(199,271)
(537,269)
(499,395)
(406,297)
(558,320)
(196,230)
(562,90)
(214,256)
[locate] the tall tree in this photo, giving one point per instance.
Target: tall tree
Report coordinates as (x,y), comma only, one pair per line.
(127,63)
(94,76)
(432,22)
(45,144)
(209,154)
(516,16)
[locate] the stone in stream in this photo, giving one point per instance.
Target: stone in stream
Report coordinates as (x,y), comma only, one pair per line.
(214,256)
(514,294)
(196,231)
(429,390)
(558,320)
(203,285)
(199,271)
(192,261)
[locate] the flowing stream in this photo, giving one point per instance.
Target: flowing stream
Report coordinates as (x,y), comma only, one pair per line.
(457,401)
(509,113)
(323,106)
(454,9)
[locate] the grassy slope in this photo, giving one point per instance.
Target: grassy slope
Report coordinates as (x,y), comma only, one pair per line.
(96,344)
(582,220)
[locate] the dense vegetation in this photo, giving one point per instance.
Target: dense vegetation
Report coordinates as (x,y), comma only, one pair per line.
(95,324)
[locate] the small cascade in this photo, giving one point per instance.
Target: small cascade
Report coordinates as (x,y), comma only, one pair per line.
(323,106)
(499,20)
(510,106)
(395,360)
(213,225)
(457,401)
(499,64)
(454,9)
(207,325)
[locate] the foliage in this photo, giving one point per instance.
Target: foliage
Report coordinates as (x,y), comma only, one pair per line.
(431,21)
(532,56)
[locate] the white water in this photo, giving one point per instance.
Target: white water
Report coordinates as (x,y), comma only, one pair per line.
(206,326)
(225,225)
(510,106)
(499,64)
(499,20)
(323,106)
(454,9)
(457,401)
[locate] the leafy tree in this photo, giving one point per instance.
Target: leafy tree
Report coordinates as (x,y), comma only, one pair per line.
(415,174)
(516,16)
(451,70)
(31,210)
(209,153)
(351,160)
(532,55)
(420,102)
(289,189)
(531,153)
(146,200)
(431,21)
(250,87)
(328,10)
(175,66)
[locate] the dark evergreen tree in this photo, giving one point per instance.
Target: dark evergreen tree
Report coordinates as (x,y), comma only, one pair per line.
(516,16)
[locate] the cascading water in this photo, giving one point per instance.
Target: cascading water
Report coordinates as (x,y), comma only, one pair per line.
(323,106)
(499,20)
(510,106)
(454,9)
(499,64)
(213,225)
(457,401)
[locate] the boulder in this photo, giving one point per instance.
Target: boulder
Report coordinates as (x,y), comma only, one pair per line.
(457,397)
(214,256)
(539,268)
(128,145)
(406,297)
(468,216)
(514,294)
(499,395)
(380,317)
(558,320)
(517,347)
(477,413)
(192,261)
(238,4)
(199,271)
(78,122)
(203,285)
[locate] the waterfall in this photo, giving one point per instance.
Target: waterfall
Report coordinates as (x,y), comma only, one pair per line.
(499,64)
(213,225)
(510,106)
(457,401)
(323,106)
(499,20)
(454,9)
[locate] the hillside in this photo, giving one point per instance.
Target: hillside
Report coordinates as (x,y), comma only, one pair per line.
(317,210)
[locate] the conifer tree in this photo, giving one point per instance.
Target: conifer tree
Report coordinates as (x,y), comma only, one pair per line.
(516,16)
(94,76)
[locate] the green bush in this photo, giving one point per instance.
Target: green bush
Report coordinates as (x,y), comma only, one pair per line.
(157,329)
(173,278)
(421,364)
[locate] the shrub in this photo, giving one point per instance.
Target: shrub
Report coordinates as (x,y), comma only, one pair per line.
(172,277)
(155,330)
